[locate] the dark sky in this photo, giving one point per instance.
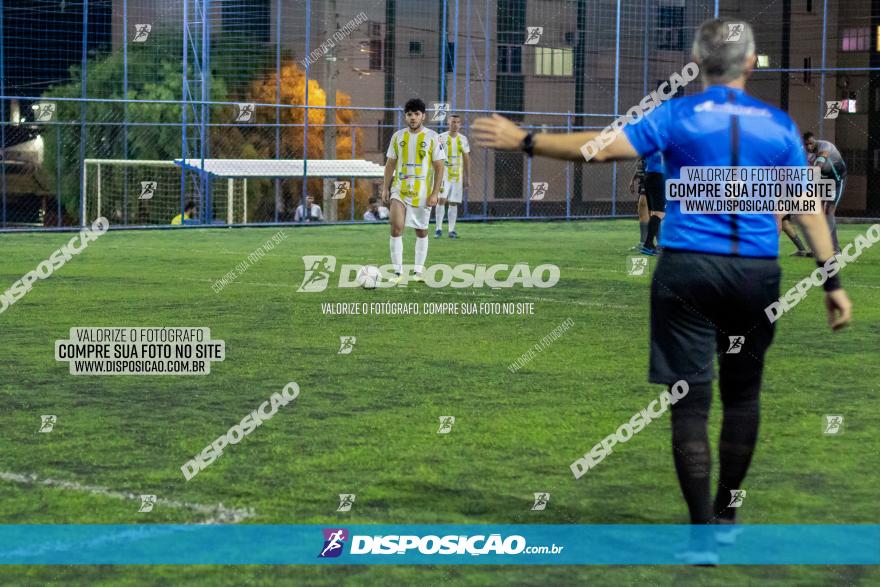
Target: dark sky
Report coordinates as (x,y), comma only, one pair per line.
(43,38)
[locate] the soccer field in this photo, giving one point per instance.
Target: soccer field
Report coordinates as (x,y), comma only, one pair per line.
(366,422)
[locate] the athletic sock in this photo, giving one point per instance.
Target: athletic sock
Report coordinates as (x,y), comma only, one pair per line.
(643,231)
(453,216)
(798,242)
(739,434)
(690,449)
(832,225)
(421,253)
(397,253)
(653,231)
(439,210)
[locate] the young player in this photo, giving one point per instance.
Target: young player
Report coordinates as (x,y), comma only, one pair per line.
(825,155)
(458,169)
(413,173)
(638,183)
(717,274)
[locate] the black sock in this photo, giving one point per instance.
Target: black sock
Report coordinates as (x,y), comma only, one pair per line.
(739,434)
(690,449)
(643,231)
(653,231)
(798,243)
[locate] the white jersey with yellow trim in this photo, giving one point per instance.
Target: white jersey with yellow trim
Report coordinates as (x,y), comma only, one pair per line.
(455,146)
(414,173)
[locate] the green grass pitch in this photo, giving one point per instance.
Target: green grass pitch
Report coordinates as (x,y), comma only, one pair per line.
(366,423)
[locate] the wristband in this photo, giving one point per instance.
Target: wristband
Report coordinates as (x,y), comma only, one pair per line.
(820,160)
(831,283)
(528,144)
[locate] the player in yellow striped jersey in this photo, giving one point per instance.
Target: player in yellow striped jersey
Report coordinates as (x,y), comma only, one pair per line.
(413,173)
(458,171)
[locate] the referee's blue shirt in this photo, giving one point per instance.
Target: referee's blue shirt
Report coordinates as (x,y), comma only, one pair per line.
(654,163)
(721,126)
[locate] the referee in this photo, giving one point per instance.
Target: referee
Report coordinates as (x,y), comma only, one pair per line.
(717,272)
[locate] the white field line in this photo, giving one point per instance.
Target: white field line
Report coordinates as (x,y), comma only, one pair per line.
(218,514)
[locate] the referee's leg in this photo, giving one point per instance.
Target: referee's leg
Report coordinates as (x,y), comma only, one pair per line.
(753,285)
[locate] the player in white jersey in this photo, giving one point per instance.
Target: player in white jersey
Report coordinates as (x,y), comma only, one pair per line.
(413,174)
(458,171)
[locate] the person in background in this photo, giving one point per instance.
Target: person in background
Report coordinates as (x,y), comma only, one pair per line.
(188,212)
(315,214)
(376,212)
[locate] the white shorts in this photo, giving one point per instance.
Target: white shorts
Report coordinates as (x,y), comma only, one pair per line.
(416,217)
(451,192)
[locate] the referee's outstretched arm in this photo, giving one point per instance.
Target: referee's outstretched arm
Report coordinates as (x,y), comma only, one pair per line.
(500,133)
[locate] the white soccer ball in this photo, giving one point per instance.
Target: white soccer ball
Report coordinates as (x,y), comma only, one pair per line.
(368,276)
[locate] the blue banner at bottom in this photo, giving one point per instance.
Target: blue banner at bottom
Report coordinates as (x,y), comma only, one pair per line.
(439,544)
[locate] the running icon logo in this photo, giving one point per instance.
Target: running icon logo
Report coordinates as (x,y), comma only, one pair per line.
(734,32)
(47,423)
(832,109)
(441,109)
(346,500)
(637,266)
(147,503)
(833,425)
(541,501)
(346,345)
(340,190)
(334,541)
(318,271)
(245,112)
(446,423)
(737,496)
(44,111)
(735,344)
(141,33)
(539,190)
(148,190)
(533,35)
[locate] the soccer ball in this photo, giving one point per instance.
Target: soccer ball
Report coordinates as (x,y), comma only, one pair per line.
(368,277)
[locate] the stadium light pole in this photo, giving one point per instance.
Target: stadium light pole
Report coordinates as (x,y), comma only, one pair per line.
(82,111)
(467,88)
(3,114)
(616,104)
(277,181)
(124,109)
(305,181)
(822,75)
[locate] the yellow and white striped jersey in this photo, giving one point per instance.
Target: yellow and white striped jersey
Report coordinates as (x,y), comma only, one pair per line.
(414,174)
(456,147)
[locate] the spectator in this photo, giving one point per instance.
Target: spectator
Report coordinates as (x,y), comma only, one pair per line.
(376,212)
(315,214)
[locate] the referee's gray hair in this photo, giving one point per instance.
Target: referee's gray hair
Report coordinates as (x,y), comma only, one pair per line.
(721,59)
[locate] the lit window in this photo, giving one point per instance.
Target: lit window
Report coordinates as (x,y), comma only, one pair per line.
(549,61)
(856,39)
(763,61)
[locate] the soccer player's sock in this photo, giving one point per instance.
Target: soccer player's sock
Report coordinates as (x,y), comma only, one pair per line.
(643,231)
(439,210)
(739,434)
(690,448)
(397,253)
(653,229)
(421,253)
(832,225)
(798,242)
(453,216)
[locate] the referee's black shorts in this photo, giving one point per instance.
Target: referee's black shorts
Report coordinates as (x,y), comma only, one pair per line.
(655,191)
(698,302)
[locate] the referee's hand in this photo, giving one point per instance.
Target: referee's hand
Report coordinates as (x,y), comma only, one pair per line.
(839,308)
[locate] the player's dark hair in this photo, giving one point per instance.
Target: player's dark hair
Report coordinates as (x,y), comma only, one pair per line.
(374,199)
(414,105)
(454,115)
(189,206)
(808,135)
